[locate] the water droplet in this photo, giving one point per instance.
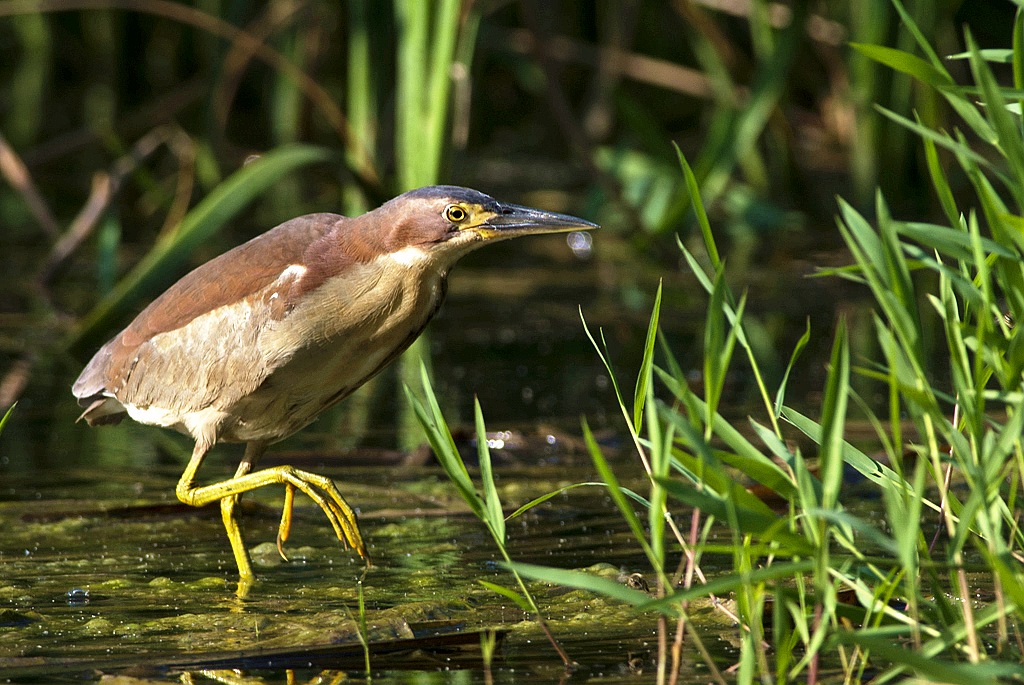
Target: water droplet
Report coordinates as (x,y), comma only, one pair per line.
(77,596)
(581,243)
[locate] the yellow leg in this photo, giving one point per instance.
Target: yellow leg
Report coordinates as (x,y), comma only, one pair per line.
(321,490)
(227,514)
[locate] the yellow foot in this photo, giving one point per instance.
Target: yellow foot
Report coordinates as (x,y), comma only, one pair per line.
(325,493)
(321,490)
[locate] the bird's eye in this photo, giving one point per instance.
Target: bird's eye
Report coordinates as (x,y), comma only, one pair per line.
(455,214)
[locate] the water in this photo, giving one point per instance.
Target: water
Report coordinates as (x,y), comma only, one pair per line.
(103,572)
(97,568)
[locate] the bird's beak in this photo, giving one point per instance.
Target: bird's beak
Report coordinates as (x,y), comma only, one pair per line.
(515,220)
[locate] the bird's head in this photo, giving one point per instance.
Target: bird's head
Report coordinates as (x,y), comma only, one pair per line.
(454,220)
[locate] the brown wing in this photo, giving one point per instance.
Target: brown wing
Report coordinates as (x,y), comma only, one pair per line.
(227,279)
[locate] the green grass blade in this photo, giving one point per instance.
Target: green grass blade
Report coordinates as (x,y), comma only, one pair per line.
(922,41)
(7,416)
(362,72)
(874,471)
(995,55)
(773,442)
(411,82)
(1006,125)
(940,182)
(599,585)
(837,390)
(780,394)
(964,107)
(906,63)
(934,669)
(868,533)
(602,353)
(659,449)
(1017,53)
(617,494)
(955,243)
(698,208)
(731,583)
(762,522)
(508,593)
(695,267)
(716,354)
(428,35)
(886,274)
(644,376)
(716,479)
(554,493)
(745,455)
(1008,439)
(492,503)
(944,140)
(441,441)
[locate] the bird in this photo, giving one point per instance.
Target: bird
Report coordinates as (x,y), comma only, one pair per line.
(253,345)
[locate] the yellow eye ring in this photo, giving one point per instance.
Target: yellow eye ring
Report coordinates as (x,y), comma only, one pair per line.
(455,214)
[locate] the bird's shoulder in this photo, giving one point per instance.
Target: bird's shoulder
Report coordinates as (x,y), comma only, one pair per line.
(230,277)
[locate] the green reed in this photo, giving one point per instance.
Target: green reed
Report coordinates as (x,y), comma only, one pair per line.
(815,584)
(486,506)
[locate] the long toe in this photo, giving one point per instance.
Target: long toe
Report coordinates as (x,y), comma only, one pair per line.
(285,527)
(325,493)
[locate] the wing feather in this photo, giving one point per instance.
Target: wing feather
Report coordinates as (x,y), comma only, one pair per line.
(180,348)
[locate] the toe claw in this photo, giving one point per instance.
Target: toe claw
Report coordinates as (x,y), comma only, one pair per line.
(280,548)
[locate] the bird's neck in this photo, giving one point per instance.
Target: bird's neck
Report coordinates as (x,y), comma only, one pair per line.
(391,293)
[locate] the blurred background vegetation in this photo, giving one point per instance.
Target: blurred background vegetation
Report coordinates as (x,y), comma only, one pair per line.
(139,137)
